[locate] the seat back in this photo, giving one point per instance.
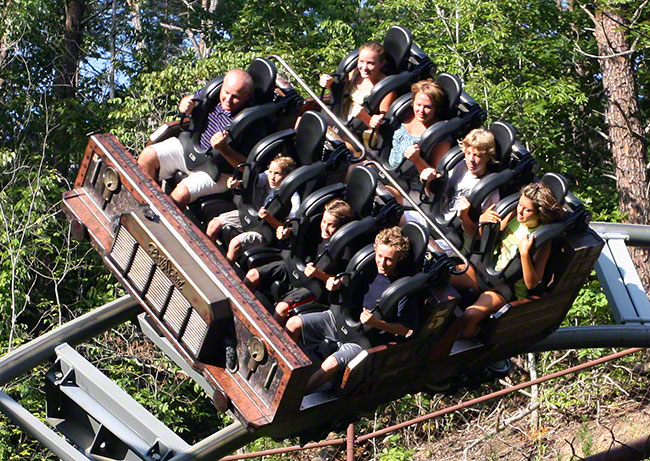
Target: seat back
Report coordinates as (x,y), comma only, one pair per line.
(452,87)
(497,177)
(310,137)
(360,190)
(301,181)
(263,73)
(504,138)
(397,46)
(398,43)
(418,236)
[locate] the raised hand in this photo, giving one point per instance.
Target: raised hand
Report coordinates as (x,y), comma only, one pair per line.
(490,215)
(218,140)
(375,120)
(333,284)
(186,105)
(412,152)
(325,81)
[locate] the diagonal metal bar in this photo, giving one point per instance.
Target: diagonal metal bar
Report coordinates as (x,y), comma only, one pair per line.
(33,353)
(39,430)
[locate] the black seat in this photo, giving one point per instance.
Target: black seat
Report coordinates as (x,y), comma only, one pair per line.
(397,45)
(359,194)
(362,268)
(304,145)
(485,255)
(498,175)
(461,114)
(263,73)
(302,180)
(400,69)
(266,108)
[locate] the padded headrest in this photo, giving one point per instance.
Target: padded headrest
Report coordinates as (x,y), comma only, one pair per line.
(350,232)
(401,108)
(310,136)
(418,237)
(507,204)
(360,190)
(211,90)
(362,259)
(438,132)
(268,147)
(397,45)
(348,63)
(316,201)
(504,137)
(250,118)
(450,159)
(299,177)
(385,86)
(263,73)
(453,87)
(558,185)
(397,290)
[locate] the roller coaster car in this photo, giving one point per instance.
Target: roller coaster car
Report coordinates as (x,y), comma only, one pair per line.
(195,300)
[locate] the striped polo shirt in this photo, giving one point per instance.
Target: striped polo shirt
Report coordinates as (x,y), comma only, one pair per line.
(218,120)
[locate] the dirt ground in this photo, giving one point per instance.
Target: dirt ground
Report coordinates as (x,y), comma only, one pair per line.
(564,440)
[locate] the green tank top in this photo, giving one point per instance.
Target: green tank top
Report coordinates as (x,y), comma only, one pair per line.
(513,234)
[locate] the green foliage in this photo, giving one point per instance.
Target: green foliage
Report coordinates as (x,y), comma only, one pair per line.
(590,306)
(393,449)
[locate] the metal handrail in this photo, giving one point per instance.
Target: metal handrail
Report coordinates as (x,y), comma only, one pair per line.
(373,162)
(417,208)
(323,106)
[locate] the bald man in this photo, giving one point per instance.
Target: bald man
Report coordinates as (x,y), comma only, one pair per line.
(162,160)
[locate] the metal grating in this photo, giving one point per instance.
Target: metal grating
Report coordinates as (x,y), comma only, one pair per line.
(123,248)
(176,312)
(158,291)
(140,269)
(195,332)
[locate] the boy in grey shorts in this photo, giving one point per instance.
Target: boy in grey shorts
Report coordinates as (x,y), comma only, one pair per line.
(391,247)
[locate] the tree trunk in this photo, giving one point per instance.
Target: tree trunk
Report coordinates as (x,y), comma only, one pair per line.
(625,127)
(136,22)
(66,77)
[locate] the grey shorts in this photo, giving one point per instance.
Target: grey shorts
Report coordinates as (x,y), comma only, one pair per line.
(251,239)
(320,326)
(231,218)
(199,183)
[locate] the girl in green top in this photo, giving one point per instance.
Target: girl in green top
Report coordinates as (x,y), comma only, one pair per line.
(537,206)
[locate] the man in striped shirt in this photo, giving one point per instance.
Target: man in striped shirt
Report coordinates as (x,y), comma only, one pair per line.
(162,160)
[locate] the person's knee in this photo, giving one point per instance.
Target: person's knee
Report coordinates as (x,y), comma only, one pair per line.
(181,195)
(252,278)
(294,325)
(282,309)
(474,315)
(235,244)
(148,158)
(330,364)
(213,229)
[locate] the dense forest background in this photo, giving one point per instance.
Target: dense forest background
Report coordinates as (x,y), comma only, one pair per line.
(571,76)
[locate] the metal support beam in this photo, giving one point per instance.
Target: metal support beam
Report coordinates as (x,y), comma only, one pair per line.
(39,430)
(218,445)
(636,235)
(33,353)
(594,337)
